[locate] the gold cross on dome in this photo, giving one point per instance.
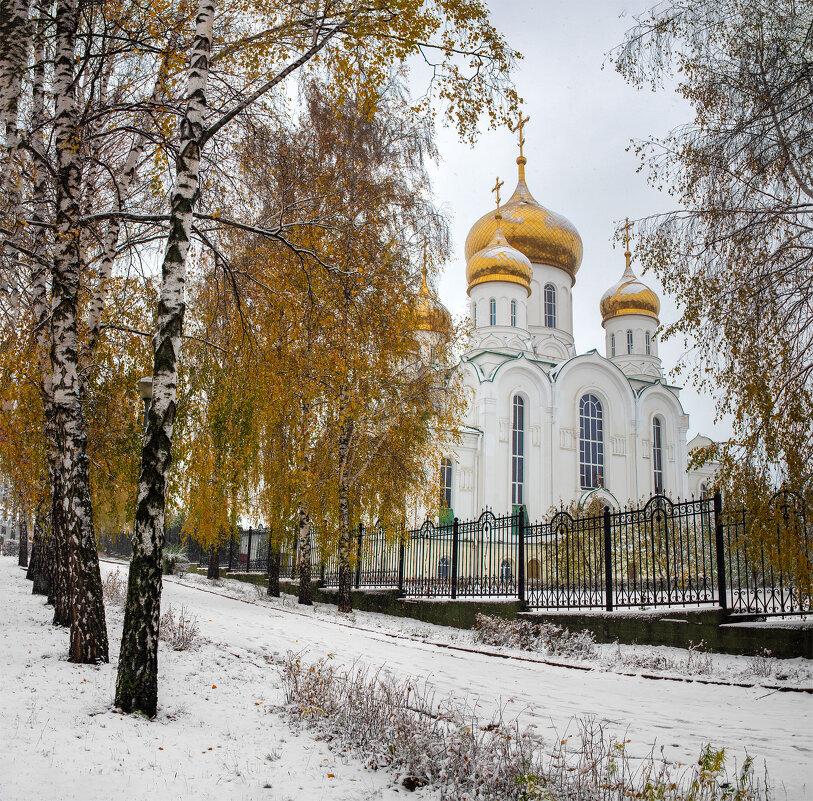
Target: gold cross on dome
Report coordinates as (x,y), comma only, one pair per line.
(626,230)
(518,128)
(496,191)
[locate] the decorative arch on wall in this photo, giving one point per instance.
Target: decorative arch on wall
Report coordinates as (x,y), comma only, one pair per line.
(576,376)
(605,497)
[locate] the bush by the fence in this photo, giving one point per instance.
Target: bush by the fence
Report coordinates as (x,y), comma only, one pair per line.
(531,636)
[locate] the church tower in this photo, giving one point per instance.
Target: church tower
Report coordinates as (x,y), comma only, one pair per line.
(434,323)
(553,246)
(629,316)
(499,279)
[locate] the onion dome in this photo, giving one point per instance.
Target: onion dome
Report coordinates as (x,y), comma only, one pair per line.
(629,296)
(432,314)
(543,236)
(498,261)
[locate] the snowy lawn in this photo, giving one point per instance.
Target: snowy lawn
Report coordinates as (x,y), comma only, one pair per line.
(61,740)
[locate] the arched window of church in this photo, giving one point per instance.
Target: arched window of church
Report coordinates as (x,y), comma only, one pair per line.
(704,491)
(513,314)
(648,341)
(629,341)
(591,442)
(505,571)
(657,454)
(492,312)
(445,483)
(443,567)
(550,306)
(612,344)
(518,451)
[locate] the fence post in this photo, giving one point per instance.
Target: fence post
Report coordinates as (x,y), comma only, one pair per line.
(401,566)
(455,530)
(521,555)
(248,554)
(719,547)
(608,560)
(358,557)
(231,551)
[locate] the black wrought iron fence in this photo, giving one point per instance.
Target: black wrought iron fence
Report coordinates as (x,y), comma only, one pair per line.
(660,554)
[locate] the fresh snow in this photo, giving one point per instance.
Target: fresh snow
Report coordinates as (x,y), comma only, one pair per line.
(217,734)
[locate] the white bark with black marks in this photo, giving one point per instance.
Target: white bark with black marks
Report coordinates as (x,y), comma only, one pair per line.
(345,533)
(305,590)
(137,680)
(72,508)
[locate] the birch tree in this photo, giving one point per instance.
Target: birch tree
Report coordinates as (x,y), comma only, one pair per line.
(737,253)
(470,75)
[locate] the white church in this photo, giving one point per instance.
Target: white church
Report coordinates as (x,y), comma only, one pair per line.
(546,425)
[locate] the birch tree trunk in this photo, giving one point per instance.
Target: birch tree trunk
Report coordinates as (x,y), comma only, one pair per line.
(15,41)
(22,527)
(44,536)
(273,566)
(137,680)
(345,534)
(305,590)
(72,507)
(38,569)
(32,562)
(53,570)
(213,569)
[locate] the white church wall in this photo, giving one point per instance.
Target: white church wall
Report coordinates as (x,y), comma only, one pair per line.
(659,400)
(592,374)
(528,381)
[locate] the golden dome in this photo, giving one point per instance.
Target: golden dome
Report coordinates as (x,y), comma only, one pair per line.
(629,296)
(432,314)
(544,237)
(498,261)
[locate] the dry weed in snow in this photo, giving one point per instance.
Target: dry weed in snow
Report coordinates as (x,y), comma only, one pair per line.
(396,724)
(114,589)
(531,636)
(698,662)
(180,632)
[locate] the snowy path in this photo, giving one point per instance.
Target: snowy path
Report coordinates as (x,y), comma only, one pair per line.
(774,727)
(60,740)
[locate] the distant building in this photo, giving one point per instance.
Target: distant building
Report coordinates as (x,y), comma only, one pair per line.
(546,425)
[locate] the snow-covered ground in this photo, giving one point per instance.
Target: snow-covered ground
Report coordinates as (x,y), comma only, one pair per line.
(216,738)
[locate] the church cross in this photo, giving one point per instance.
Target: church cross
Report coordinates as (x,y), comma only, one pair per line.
(496,191)
(626,230)
(518,129)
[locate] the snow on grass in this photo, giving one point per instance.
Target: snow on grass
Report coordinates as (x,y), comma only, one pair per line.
(215,738)
(763,670)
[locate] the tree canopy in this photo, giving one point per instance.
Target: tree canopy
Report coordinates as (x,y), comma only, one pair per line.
(737,253)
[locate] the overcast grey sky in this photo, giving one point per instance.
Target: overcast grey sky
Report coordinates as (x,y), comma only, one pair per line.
(582,119)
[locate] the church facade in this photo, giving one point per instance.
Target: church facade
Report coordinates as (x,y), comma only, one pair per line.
(546,425)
